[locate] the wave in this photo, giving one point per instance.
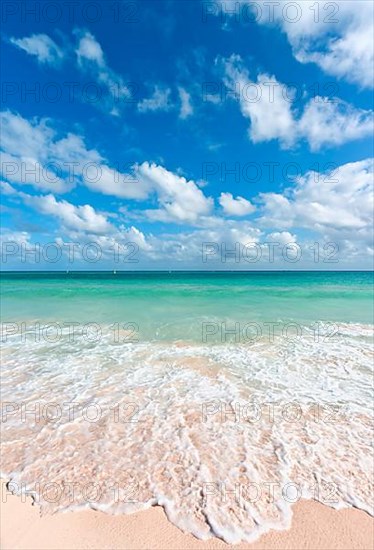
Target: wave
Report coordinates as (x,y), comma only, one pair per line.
(225,436)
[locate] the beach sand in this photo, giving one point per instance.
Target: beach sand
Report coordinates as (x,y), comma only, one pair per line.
(314,527)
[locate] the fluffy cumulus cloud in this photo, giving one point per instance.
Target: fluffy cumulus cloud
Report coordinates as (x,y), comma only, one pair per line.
(238,206)
(341,201)
(326,123)
(24,156)
(32,154)
(281,237)
(337,36)
(333,207)
(261,101)
(205,247)
(16,237)
(80,224)
(90,50)
(79,218)
(41,46)
(273,115)
(180,200)
(29,171)
(20,136)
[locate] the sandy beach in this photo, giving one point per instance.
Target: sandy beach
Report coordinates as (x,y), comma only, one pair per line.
(152,443)
(314,527)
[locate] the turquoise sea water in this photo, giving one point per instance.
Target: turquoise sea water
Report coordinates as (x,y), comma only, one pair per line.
(175,304)
(218,381)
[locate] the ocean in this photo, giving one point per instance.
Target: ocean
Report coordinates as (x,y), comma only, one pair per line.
(224,397)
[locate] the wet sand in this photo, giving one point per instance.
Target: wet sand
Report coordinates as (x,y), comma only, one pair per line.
(314,527)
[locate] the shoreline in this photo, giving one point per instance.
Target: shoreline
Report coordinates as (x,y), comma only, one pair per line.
(314,526)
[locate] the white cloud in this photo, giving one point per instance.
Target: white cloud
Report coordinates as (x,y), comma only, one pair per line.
(79,218)
(281,237)
(341,44)
(262,102)
(334,207)
(28,171)
(40,46)
(109,181)
(235,206)
(18,237)
(11,242)
(159,101)
(65,162)
(82,224)
(323,122)
(58,164)
(24,156)
(7,189)
(326,123)
(180,199)
(30,144)
(90,50)
(21,137)
(337,36)
(91,59)
(336,202)
(187,247)
(186,108)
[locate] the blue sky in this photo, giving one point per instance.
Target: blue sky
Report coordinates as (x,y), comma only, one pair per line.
(156,127)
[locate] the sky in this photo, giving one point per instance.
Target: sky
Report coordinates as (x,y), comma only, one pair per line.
(187,135)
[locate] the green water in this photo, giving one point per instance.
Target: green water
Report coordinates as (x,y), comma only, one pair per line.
(174,305)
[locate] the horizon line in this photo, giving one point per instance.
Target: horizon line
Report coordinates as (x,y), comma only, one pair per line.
(116,272)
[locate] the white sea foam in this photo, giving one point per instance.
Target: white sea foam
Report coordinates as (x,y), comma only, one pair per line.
(225,437)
